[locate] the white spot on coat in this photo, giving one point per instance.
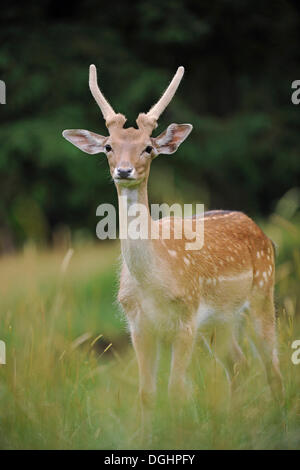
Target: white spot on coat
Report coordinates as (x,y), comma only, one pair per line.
(172,253)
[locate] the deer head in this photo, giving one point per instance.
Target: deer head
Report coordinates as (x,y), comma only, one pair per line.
(130,150)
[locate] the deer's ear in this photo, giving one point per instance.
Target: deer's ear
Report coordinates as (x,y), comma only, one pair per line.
(169,141)
(87,141)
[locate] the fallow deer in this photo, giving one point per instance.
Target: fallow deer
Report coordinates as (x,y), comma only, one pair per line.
(166,290)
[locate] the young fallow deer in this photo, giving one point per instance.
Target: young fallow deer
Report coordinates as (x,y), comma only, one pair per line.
(166,290)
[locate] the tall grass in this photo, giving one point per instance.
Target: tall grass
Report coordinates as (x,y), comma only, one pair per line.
(71,377)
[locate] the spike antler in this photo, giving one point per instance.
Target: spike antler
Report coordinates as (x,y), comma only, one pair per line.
(150,119)
(111,118)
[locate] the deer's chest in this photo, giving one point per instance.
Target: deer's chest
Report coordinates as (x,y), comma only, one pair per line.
(163,314)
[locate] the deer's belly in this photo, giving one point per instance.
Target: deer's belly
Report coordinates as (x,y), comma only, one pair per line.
(209,314)
(219,302)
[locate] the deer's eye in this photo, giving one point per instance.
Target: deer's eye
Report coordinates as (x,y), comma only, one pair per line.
(108,148)
(148,149)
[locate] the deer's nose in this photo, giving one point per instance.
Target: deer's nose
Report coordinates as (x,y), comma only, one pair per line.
(124,172)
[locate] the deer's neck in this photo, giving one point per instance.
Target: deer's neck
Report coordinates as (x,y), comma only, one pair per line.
(134,217)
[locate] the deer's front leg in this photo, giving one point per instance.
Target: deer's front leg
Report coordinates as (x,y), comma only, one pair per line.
(145,345)
(182,349)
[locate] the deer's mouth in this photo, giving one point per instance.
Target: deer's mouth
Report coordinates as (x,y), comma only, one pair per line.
(129,181)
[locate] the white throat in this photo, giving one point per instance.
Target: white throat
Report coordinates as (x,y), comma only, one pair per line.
(137,251)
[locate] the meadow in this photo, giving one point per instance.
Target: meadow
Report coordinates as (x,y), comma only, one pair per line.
(71,378)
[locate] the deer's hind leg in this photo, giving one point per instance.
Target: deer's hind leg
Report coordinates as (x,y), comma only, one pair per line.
(262,314)
(233,357)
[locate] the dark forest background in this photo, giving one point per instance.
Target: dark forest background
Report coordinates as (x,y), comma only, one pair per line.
(241,58)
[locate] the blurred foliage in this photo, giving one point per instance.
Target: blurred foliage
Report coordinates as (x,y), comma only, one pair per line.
(240,58)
